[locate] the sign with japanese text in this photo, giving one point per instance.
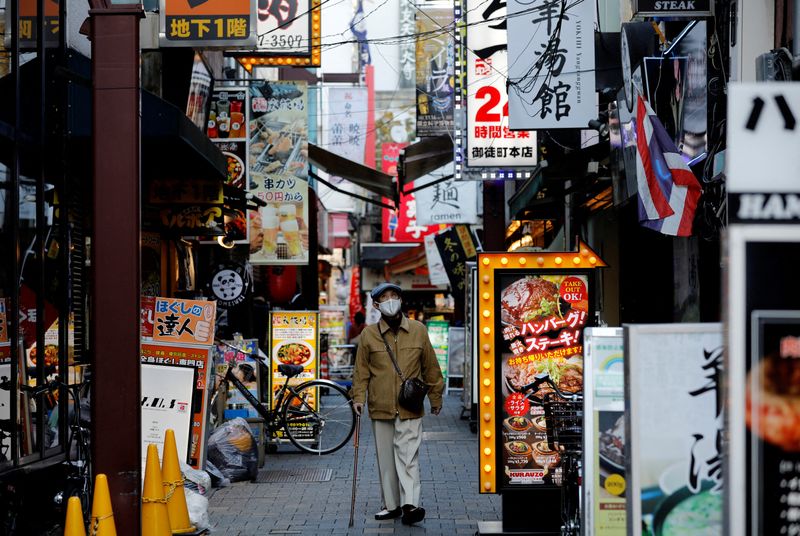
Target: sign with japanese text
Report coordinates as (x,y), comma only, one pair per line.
(439,334)
(675,463)
(401,225)
(193,220)
(3,322)
(604,443)
(284,26)
(490,143)
(456,246)
(448,202)
(693,9)
(551,64)
(279,173)
(435,69)
(344,124)
(246,370)
(204,23)
(178,321)
(164,403)
(762,469)
(436,272)
(539,320)
(407,47)
(28,24)
(293,340)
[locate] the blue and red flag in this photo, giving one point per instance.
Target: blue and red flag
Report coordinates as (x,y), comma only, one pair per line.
(668,190)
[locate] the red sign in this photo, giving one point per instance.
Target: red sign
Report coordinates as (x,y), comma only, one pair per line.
(147,307)
(355,291)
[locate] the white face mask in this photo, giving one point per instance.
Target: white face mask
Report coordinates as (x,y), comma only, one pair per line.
(389,308)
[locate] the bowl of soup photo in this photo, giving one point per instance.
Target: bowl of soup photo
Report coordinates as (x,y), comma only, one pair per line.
(294,353)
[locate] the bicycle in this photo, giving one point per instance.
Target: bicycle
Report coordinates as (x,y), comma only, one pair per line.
(317,416)
(564,427)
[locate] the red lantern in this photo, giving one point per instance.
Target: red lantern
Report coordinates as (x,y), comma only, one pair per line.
(282,283)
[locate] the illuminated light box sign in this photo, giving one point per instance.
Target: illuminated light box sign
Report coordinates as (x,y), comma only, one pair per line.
(207,23)
(532,309)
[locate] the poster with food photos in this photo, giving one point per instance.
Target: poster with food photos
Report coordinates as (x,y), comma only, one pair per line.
(541,317)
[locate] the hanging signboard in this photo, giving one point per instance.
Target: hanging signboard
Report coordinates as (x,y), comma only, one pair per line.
(438,332)
(279,173)
(288,35)
(551,65)
(178,321)
(401,225)
(294,340)
(456,246)
(689,9)
(174,395)
(447,202)
(344,124)
(407,47)
(207,23)
(435,69)
(674,463)
(490,143)
(199,93)
(531,315)
(604,440)
(436,272)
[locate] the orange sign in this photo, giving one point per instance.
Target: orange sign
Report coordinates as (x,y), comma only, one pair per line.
(184,321)
(207,22)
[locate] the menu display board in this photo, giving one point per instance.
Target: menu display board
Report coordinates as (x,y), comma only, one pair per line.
(439,334)
(539,330)
(294,340)
(178,321)
(673,431)
(763,465)
(604,442)
(245,368)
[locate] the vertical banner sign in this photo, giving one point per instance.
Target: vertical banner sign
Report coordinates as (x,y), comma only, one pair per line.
(673,406)
(199,88)
(184,321)
(490,143)
(604,443)
(447,202)
(279,173)
(439,334)
(400,225)
(436,272)
(435,69)
(294,338)
(551,64)
(407,46)
(168,398)
(203,23)
(456,246)
(531,313)
(344,124)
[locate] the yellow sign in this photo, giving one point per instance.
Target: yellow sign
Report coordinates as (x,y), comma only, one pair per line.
(615,484)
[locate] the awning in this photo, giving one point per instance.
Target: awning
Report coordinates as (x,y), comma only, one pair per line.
(171,144)
(379,255)
(419,159)
(359,174)
(527,192)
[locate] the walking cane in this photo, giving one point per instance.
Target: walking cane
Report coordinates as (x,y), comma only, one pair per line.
(355,470)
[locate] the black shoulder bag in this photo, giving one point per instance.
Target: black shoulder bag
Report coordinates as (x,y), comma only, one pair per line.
(412,390)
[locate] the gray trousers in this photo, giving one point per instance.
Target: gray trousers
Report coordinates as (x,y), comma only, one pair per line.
(397,443)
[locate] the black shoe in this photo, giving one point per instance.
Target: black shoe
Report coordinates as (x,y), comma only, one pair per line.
(412,514)
(389,514)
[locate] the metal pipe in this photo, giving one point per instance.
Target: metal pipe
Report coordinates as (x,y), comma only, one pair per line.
(796,28)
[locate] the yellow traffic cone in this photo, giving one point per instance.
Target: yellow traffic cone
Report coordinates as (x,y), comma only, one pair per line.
(102,522)
(173,487)
(73,526)
(155,518)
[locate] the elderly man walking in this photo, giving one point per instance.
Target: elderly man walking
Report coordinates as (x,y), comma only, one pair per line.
(397,431)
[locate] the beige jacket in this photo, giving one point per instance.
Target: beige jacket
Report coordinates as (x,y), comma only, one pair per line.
(375,379)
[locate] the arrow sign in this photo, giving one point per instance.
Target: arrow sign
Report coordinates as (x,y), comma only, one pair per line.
(763,138)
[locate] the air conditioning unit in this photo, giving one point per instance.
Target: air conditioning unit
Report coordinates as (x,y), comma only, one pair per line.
(774,66)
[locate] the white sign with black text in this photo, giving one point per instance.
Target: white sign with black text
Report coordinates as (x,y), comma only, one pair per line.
(447,202)
(551,64)
(344,124)
(490,143)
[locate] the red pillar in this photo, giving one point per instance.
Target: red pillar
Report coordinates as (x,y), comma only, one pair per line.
(115,257)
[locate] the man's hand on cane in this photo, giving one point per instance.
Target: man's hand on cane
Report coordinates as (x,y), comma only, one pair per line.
(358,407)
(436,411)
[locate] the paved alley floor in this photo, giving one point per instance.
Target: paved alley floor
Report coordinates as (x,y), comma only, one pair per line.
(448,464)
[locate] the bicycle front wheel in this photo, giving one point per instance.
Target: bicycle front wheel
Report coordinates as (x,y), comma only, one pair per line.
(319,417)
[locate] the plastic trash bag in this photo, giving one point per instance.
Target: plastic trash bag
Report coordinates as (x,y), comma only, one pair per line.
(232,448)
(218,480)
(195,479)
(198,510)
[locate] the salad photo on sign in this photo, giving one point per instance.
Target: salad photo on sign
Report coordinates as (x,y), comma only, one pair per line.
(542,319)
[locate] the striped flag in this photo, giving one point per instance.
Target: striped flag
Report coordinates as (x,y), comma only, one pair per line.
(668,190)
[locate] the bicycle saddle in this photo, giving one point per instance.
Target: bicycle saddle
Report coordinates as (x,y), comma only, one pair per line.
(290,371)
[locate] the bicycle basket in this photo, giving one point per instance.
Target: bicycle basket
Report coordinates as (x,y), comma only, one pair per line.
(564,420)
